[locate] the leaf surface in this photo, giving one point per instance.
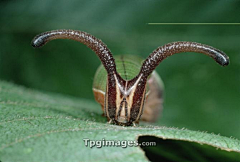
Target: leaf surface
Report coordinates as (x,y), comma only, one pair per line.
(40,126)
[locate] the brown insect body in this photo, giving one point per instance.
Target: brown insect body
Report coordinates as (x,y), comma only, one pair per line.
(128,66)
(152,105)
(124,99)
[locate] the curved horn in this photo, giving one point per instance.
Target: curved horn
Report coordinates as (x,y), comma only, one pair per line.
(92,42)
(169,49)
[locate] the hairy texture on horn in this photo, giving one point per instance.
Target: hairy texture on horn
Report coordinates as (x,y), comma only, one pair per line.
(177,47)
(92,42)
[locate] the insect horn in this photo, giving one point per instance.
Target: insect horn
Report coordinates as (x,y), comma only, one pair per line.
(169,49)
(90,41)
(158,56)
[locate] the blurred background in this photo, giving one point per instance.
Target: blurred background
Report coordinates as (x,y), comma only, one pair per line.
(199,94)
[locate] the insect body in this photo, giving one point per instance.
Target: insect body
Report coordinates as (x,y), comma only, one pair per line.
(128,66)
(126,87)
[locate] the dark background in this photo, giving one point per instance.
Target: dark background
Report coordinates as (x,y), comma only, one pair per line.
(199,94)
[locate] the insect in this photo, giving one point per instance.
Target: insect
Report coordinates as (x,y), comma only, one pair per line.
(127,87)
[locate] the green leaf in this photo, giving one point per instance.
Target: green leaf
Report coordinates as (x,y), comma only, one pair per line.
(37,126)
